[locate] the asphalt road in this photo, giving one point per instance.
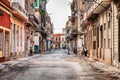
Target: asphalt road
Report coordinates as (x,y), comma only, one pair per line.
(55,66)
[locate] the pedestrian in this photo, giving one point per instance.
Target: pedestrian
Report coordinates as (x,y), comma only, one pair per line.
(75,51)
(86,51)
(31,52)
(68,51)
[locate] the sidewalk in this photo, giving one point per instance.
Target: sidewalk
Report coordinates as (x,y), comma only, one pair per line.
(109,69)
(8,64)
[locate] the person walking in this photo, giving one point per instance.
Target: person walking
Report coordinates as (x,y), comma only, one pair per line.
(31,51)
(86,51)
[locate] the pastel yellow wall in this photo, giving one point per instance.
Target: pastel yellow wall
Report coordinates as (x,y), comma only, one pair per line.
(19,24)
(1,55)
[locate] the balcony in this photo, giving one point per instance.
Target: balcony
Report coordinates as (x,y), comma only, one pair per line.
(33,19)
(73,33)
(103,4)
(98,6)
(72,6)
(19,12)
(68,38)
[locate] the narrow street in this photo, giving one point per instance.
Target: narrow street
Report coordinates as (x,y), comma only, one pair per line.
(56,65)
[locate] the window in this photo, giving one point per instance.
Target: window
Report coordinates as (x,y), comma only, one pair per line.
(104,43)
(59,38)
(104,26)
(108,24)
(109,17)
(37,3)
(94,32)
(26,6)
(109,29)
(1,40)
(21,36)
(56,38)
(17,35)
(63,39)
(14,29)
(94,44)
(109,43)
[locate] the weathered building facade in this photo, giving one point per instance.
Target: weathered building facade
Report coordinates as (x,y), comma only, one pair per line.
(25,28)
(5,30)
(69,40)
(75,40)
(101,31)
(18,19)
(30,26)
(96,27)
(45,28)
(116,32)
(49,31)
(74,26)
(57,41)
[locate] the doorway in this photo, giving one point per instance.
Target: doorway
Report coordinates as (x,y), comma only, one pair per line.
(6,48)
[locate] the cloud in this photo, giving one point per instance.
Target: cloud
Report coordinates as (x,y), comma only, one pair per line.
(60,12)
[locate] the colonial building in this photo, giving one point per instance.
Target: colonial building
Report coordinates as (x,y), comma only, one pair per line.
(97,30)
(5,30)
(42,29)
(115,32)
(69,40)
(25,27)
(38,36)
(18,19)
(57,41)
(101,30)
(49,31)
(63,40)
(75,31)
(30,26)
(97,26)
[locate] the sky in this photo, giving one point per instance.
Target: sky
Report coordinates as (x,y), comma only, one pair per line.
(59,10)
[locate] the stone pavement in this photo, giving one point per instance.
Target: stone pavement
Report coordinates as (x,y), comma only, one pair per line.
(7,64)
(58,66)
(113,71)
(109,69)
